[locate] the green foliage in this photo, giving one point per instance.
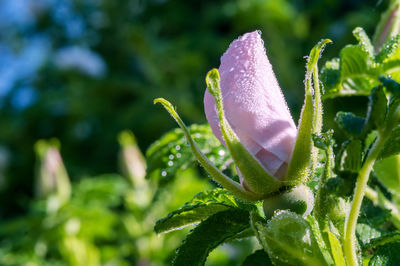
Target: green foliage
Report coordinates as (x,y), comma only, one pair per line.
(171,154)
(357,69)
(289,240)
(386,255)
(351,156)
(392,146)
(199,208)
(388,172)
(259,257)
(209,234)
(350,123)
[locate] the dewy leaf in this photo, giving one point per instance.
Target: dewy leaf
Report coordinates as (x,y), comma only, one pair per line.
(171,154)
(350,123)
(355,72)
(289,240)
(354,62)
(304,155)
(259,258)
(209,234)
(387,255)
(364,40)
(257,178)
(220,177)
(202,206)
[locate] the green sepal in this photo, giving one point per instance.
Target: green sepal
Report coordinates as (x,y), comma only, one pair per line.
(215,173)
(257,178)
(305,155)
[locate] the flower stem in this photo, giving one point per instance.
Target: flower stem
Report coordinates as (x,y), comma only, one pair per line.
(349,244)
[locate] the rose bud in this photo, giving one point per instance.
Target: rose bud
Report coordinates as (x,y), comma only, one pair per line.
(254,105)
(248,114)
(52,181)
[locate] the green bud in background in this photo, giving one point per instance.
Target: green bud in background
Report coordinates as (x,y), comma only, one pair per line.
(52,181)
(131,160)
(388,26)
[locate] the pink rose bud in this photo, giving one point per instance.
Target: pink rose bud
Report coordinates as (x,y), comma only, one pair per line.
(254,105)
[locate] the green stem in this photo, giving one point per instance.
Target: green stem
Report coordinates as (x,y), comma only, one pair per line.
(349,244)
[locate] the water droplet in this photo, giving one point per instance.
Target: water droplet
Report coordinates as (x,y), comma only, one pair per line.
(171,157)
(177,147)
(221,152)
(178,155)
(164,173)
(170,163)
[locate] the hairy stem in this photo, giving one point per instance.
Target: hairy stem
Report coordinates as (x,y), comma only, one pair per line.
(349,244)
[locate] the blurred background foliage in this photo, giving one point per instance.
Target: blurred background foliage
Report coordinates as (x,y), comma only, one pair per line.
(83,71)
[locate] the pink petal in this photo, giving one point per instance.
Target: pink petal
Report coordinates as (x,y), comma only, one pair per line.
(254,104)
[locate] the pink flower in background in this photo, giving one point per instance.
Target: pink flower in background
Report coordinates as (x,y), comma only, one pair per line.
(254,105)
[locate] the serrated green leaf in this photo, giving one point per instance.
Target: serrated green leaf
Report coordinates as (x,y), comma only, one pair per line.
(392,145)
(388,172)
(209,234)
(336,249)
(259,258)
(289,240)
(355,62)
(202,206)
(387,255)
(171,154)
(363,40)
(350,123)
(350,156)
